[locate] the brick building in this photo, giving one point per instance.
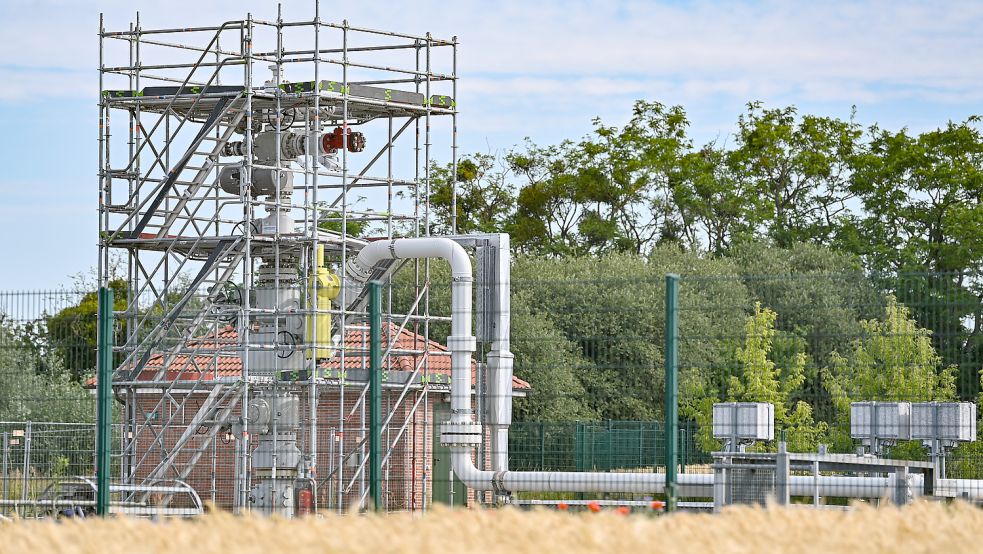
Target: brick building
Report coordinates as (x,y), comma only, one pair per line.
(416,474)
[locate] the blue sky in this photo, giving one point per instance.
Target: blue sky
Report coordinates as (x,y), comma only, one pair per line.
(542,71)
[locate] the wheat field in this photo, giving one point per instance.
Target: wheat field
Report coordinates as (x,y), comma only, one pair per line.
(923,527)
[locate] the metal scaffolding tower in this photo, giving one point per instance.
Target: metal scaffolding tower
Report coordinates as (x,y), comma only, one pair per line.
(252,155)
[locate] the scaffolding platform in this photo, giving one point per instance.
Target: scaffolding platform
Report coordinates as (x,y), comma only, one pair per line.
(365,102)
(199,248)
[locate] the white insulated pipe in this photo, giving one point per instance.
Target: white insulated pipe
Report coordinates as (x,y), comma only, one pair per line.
(690,485)
(461,344)
(960,488)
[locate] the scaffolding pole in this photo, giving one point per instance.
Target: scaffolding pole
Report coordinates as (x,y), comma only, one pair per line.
(375,394)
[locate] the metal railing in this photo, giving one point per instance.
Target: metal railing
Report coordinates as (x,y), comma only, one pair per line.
(36,455)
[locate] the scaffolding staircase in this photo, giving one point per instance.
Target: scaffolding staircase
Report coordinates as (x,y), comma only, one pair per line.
(175,342)
(178,461)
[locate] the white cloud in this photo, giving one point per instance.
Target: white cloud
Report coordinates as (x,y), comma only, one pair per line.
(541,65)
(704,47)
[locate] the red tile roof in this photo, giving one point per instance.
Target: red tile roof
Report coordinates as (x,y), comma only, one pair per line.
(407,352)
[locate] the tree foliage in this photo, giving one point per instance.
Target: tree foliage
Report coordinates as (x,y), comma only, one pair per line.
(900,201)
(484,198)
(588,332)
(71,332)
(759,379)
(835,197)
(27,394)
(894,360)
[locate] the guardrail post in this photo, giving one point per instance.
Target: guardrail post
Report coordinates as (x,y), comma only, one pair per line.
(782,473)
(104,413)
(672,391)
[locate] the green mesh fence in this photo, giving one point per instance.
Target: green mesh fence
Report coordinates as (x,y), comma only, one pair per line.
(47,351)
(589,366)
(597,446)
(813,345)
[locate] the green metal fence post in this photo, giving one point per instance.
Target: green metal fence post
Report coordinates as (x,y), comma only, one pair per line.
(104,413)
(375,393)
(542,446)
(672,391)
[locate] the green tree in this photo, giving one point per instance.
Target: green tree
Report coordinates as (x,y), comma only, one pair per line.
(71,333)
(485,199)
(922,200)
(26,394)
(716,210)
(759,379)
(612,191)
(893,361)
(548,211)
(797,171)
(612,307)
(627,176)
(588,332)
(552,364)
(922,212)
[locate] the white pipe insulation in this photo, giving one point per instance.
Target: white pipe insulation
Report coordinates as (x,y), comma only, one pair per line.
(462,433)
(461,343)
(498,313)
(960,488)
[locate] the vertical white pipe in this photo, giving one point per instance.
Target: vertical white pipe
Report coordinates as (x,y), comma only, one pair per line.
(499,358)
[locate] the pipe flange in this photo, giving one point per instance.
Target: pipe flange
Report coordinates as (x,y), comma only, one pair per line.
(460,427)
(461,343)
(358,271)
(498,483)
(460,434)
(466,441)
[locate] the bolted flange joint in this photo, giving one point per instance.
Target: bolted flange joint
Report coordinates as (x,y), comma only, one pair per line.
(460,434)
(502,495)
(461,343)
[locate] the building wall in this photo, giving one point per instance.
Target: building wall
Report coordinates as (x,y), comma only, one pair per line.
(407,475)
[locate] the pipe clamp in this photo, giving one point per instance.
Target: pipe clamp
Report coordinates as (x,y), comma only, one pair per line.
(498,483)
(460,434)
(461,343)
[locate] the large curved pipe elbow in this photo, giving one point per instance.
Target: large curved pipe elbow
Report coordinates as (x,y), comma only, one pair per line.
(360,267)
(461,342)
(465,470)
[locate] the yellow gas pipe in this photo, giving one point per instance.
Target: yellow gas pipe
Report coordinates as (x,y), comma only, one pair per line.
(328,285)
